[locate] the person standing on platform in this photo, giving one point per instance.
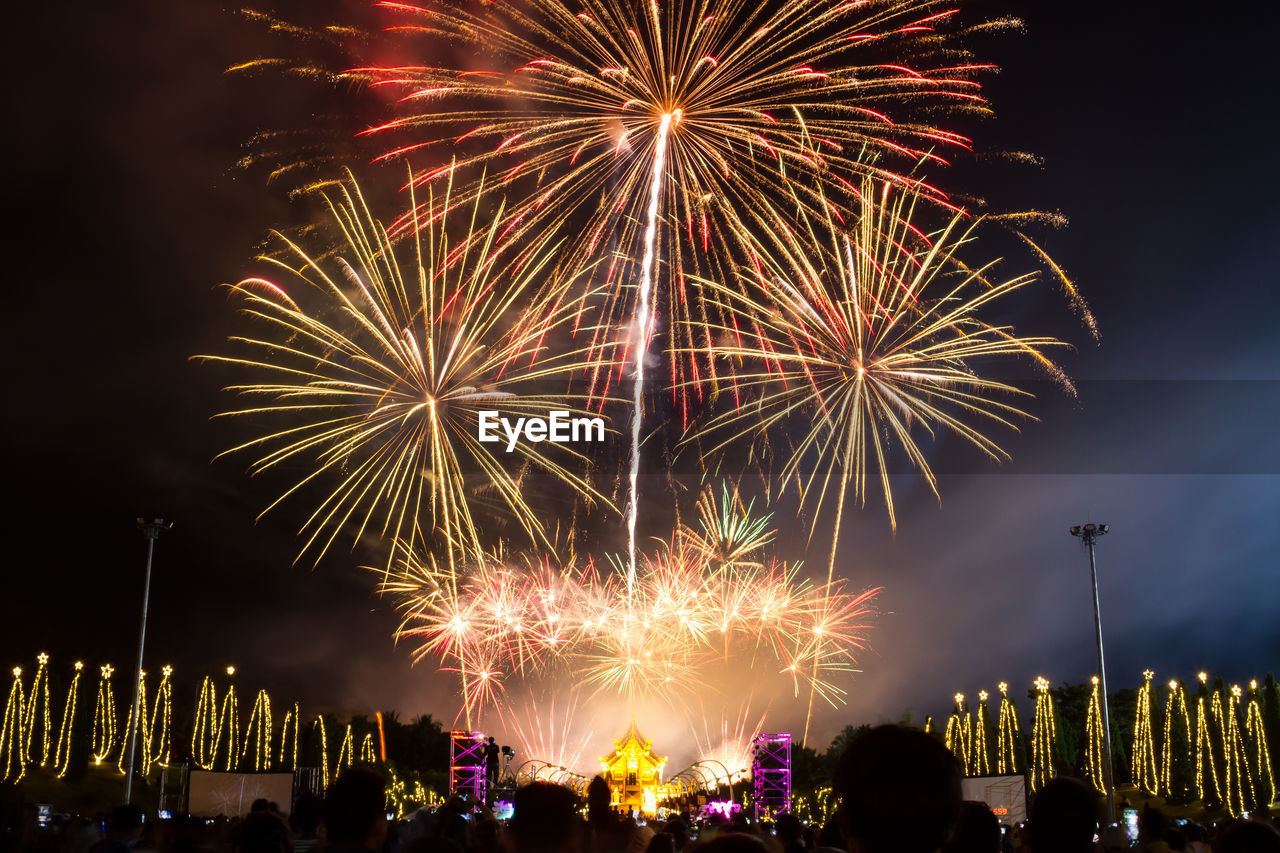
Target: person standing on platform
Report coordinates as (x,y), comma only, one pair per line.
(492,754)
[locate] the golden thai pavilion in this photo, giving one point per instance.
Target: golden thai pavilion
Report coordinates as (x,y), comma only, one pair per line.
(634,773)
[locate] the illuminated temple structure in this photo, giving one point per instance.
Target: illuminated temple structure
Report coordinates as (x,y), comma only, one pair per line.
(634,773)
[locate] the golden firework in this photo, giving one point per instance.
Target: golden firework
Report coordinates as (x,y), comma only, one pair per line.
(497,618)
(372,366)
(649,123)
(863,338)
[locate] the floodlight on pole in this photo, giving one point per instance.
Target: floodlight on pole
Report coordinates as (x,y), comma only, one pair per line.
(151,529)
(1088,534)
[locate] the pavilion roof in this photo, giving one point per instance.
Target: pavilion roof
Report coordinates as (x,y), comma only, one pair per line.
(633,735)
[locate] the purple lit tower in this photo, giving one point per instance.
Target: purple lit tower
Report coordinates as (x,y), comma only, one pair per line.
(771,773)
(466,764)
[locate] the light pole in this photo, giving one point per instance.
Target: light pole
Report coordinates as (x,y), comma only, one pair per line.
(150,529)
(1088,534)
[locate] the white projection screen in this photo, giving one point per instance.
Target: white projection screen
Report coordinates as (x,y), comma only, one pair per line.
(1005,795)
(211,794)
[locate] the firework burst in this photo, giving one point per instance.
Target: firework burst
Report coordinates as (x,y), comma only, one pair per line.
(715,162)
(375,362)
(636,115)
(725,740)
(502,618)
(549,727)
(729,532)
(865,337)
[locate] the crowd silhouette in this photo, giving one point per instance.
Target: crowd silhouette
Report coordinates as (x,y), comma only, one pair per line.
(899,791)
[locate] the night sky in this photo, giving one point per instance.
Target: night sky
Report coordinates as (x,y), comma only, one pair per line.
(1158,135)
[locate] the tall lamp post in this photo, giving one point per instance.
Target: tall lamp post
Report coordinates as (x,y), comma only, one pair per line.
(1088,534)
(150,529)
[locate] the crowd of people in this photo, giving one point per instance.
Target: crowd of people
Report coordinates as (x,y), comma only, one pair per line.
(899,788)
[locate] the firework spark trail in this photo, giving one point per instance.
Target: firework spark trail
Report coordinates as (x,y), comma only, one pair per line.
(730,745)
(496,620)
(556,736)
(643,327)
(783,106)
(867,336)
(377,373)
(565,105)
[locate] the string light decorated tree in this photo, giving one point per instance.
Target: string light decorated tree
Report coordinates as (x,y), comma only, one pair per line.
(1093,739)
(1010,749)
(346,752)
(1259,752)
(320,747)
(105,719)
(1240,794)
(257,734)
(62,753)
(37,716)
(367,753)
(1208,785)
(11,731)
(1231,789)
(959,734)
(1143,771)
(1178,764)
(289,737)
(1220,754)
(142,737)
(204,727)
(1044,736)
(1221,750)
(160,740)
(981,742)
(227,743)
(72,740)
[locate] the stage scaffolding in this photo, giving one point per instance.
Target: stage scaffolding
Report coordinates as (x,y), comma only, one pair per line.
(466,764)
(771,774)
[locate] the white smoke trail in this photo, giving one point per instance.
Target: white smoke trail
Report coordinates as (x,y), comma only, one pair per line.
(643,329)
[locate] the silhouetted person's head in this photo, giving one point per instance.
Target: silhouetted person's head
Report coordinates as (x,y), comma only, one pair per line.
(599,797)
(789,828)
(830,835)
(306,813)
(262,832)
(1063,818)
(544,819)
(733,842)
(354,809)
(662,842)
(1248,836)
(899,791)
(125,823)
(977,830)
(1152,825)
